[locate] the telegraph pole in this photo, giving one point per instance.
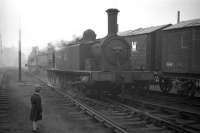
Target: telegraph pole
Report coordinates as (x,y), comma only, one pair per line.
(19,57)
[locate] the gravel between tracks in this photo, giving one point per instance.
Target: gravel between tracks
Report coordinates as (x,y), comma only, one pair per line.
(55,118)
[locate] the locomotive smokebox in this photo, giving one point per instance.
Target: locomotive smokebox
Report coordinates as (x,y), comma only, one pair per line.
(112,21)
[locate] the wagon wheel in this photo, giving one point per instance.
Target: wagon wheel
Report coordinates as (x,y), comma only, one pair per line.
(165,85)
(189,89)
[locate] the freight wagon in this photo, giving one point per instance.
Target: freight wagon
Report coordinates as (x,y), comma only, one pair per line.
(180,57)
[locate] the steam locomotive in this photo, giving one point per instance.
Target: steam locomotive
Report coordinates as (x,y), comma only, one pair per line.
(127,62)
(94,66)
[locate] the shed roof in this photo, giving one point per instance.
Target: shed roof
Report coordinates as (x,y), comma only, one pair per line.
(142,30)
(185,24)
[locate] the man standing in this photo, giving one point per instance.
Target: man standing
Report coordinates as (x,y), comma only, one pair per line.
(36,108)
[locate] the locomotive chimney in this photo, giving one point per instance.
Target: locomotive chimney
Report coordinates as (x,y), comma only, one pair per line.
(112,21)
(178,17)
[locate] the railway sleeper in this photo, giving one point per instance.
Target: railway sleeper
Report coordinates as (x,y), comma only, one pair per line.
(3,115)
(146,130)
(108,125)
(163,116)
(131,124)
(161,123)
(3,98)
(4,126)
(195,127)
(120,113)
(116,117)
(130,116)
(99,119)
(172,110)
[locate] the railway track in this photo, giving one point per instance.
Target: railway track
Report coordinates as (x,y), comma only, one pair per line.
(174,119)
(4,125)
(126,119)
(108,116)
(171,98)
(189,120)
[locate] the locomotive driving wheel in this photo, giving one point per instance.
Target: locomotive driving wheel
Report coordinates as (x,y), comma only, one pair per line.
(188,88)
(165,85)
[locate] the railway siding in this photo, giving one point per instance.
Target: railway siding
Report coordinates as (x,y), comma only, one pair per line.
(59,115)
(141,118)
(188,120)
(117,120)
(4,124)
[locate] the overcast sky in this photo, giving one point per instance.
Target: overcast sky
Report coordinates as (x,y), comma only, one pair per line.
(43,21)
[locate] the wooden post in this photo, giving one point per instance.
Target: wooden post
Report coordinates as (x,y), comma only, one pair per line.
(19,57)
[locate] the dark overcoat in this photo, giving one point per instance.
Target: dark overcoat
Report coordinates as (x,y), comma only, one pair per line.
(36,108)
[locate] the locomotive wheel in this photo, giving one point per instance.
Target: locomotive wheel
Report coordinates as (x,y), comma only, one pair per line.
(189,89)
(116,89)
(165,85)
(192,89)
(141,87)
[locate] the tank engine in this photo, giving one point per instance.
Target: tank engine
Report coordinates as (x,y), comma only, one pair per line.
(96,66)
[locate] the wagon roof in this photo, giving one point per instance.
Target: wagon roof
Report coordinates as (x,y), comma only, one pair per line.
(185,24)
(142,30)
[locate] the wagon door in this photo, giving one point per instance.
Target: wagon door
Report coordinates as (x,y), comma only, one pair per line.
(196,51)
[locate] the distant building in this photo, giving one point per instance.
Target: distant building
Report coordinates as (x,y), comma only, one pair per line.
(9,57)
